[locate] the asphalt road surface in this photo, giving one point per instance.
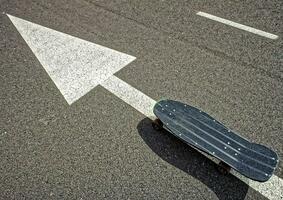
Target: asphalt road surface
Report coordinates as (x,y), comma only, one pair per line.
(100,146)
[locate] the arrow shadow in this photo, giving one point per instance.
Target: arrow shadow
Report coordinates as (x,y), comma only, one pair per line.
(189,160)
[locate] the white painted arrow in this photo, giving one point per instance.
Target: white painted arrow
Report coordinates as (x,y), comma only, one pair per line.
(76,66)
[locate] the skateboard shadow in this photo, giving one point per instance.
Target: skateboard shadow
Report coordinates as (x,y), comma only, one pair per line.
(189,160)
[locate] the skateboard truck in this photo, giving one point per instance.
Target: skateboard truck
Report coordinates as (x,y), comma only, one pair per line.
(157,124)
(223,168)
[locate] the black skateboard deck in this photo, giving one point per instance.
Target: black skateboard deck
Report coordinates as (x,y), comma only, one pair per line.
(203,132)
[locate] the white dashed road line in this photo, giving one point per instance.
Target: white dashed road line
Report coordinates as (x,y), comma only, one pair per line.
(239,26)
(76,66)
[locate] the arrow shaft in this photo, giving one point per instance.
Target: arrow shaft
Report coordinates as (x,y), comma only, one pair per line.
(130,95)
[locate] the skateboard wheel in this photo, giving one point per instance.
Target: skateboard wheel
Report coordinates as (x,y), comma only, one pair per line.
(223,168)
(157,125)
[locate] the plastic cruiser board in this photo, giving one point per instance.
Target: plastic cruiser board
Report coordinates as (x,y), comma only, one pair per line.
(203,132)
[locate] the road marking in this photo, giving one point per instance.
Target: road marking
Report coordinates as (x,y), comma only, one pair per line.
(239,26)
(76,66)
(130,95)
(75,58)
(272,189)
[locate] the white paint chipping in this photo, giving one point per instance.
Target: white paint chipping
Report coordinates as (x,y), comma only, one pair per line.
(76,66)
(239,26)
(130,95)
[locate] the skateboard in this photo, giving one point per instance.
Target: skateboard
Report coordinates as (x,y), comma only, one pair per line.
(203,132)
